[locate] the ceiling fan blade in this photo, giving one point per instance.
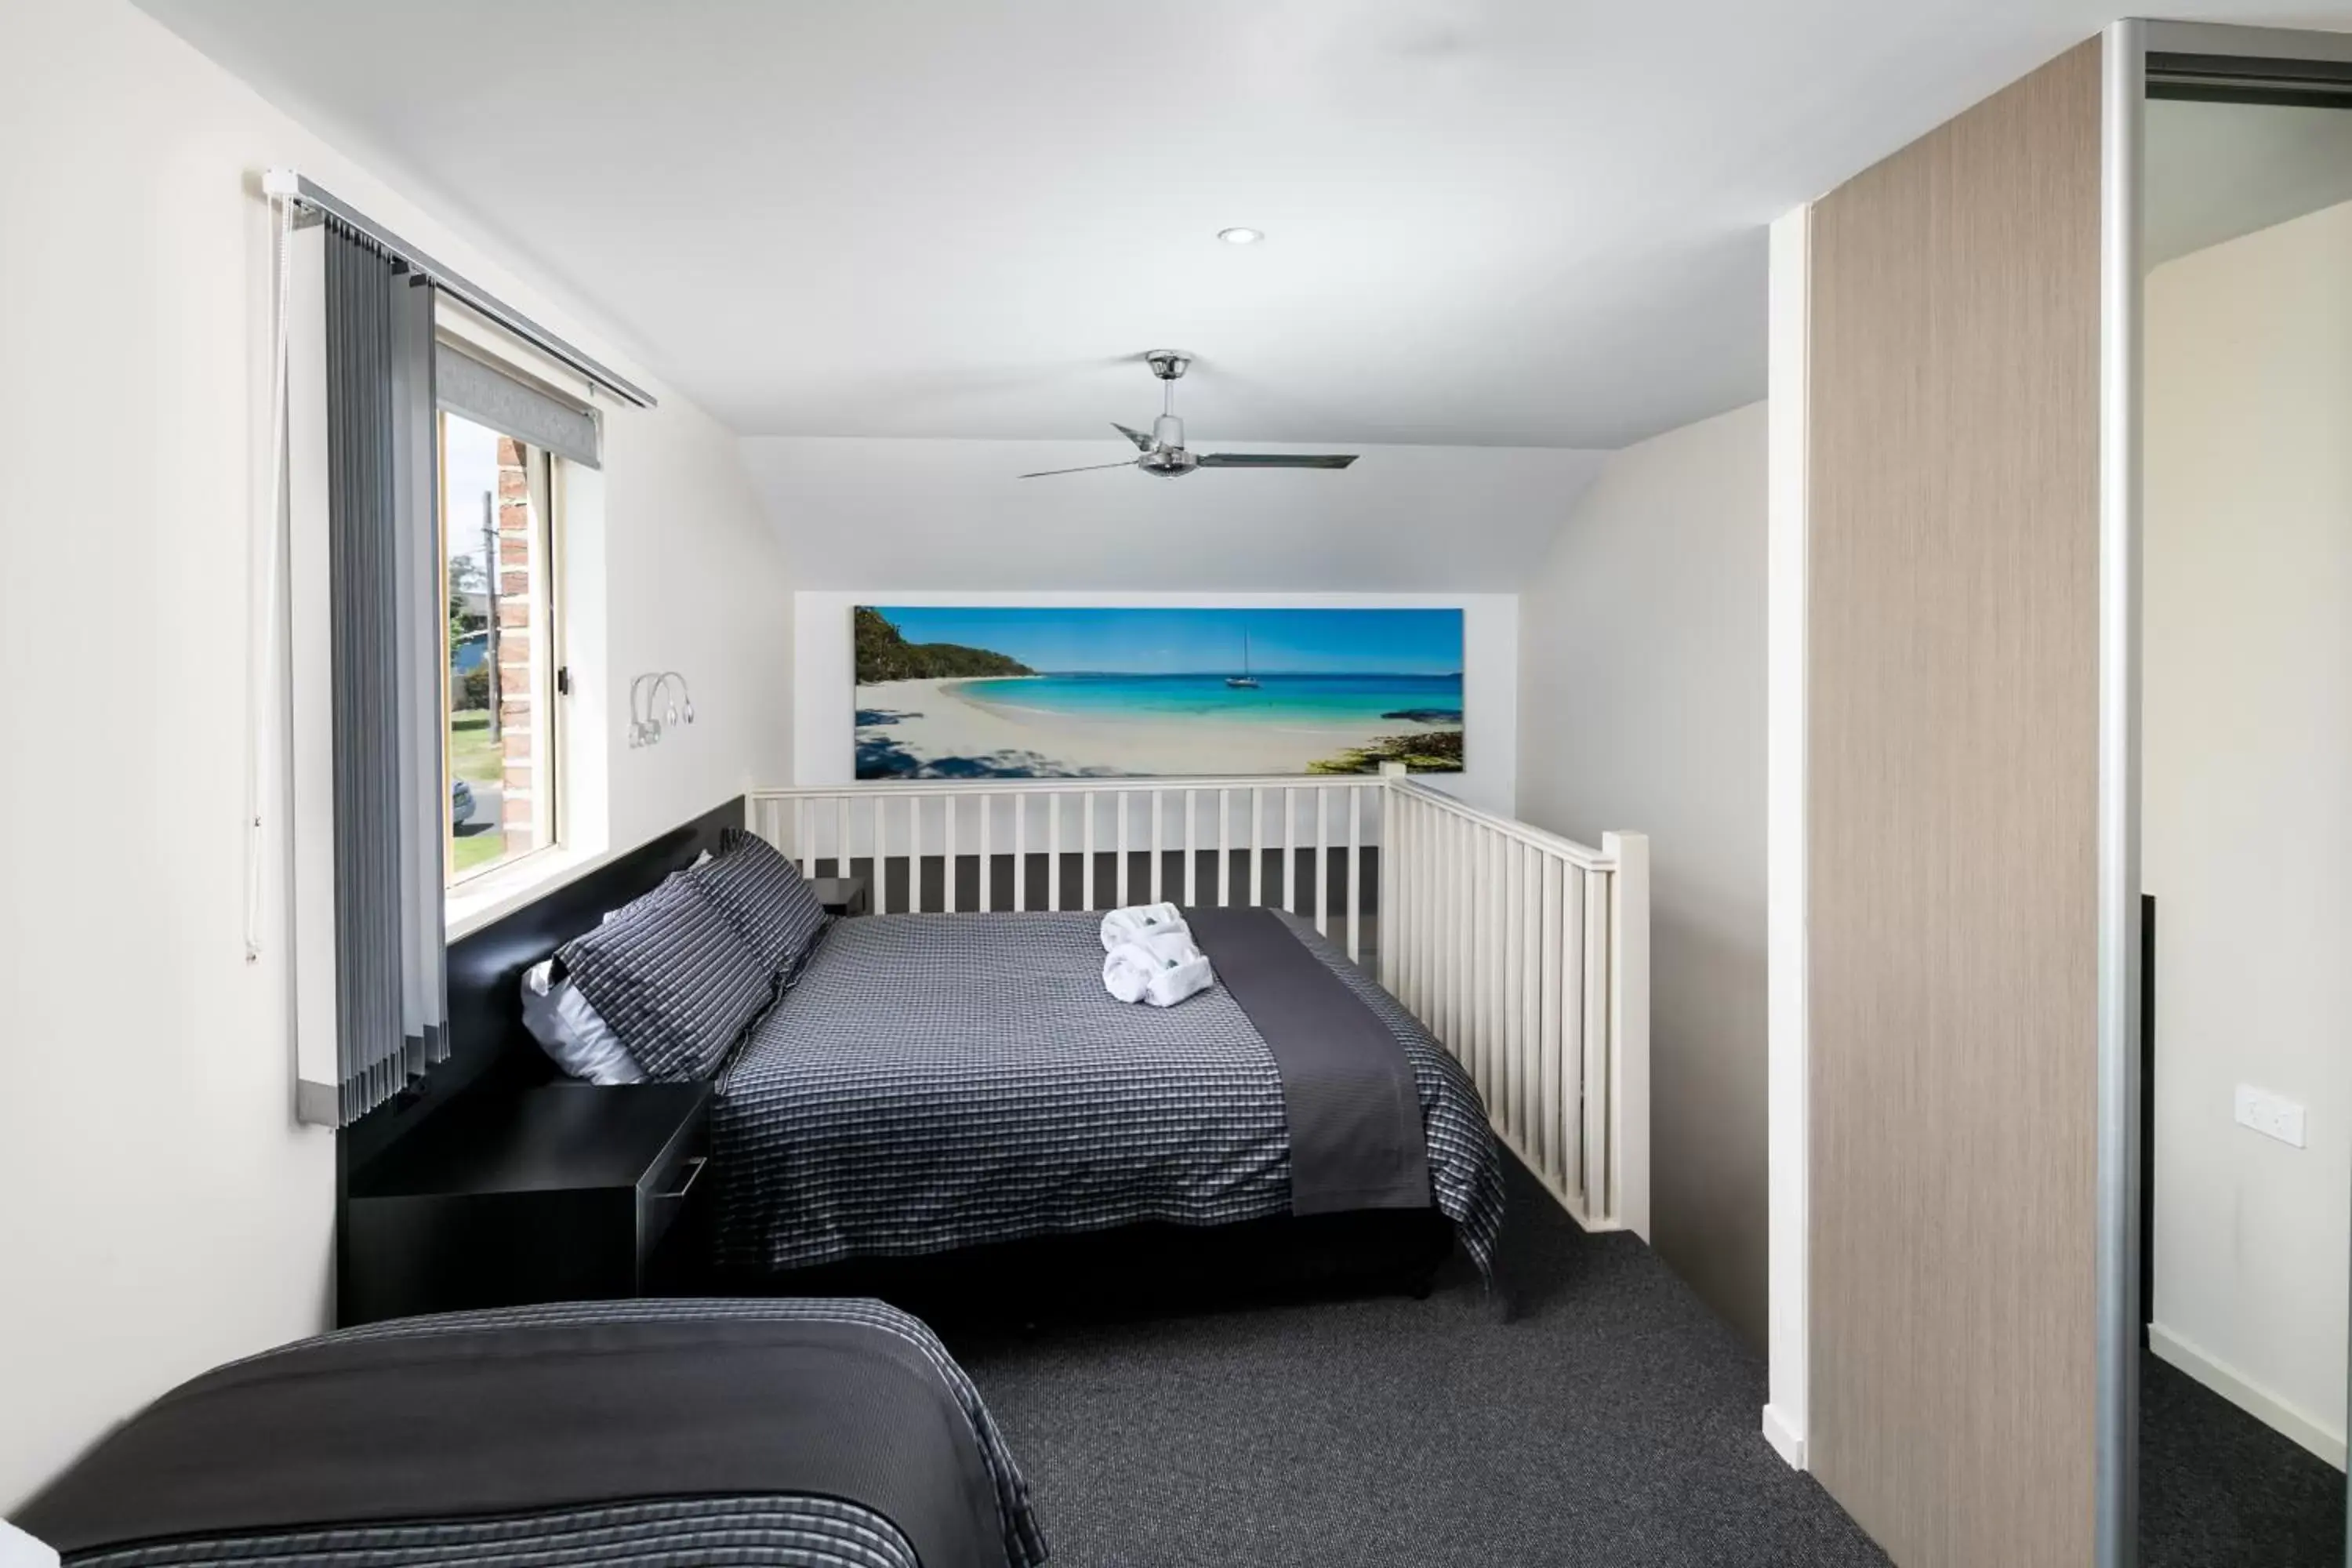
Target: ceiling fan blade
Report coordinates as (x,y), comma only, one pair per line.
(1142,442)
(1090,467)
(1271,460)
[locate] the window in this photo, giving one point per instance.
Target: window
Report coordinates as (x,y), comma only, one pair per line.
(498,543)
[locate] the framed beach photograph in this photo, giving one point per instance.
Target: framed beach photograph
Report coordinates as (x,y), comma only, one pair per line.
(1022,692)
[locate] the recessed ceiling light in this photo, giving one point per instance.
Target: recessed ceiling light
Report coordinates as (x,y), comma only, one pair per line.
(1241,235)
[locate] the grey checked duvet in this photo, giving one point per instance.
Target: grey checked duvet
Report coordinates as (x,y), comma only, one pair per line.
(941,1081)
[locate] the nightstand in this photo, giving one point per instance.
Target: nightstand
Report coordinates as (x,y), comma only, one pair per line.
(564,1192)
(841,896)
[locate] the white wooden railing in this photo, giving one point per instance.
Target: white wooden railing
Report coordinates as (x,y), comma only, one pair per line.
(1529,954)
(1525,954)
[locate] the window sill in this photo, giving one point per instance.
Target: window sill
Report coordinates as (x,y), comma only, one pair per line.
(495,894)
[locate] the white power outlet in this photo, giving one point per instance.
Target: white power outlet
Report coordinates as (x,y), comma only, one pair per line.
(2272,1115)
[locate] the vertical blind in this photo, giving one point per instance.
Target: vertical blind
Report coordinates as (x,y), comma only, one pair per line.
(386,637)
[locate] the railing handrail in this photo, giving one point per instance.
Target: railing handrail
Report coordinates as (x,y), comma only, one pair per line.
(1569,849)
(1076,785)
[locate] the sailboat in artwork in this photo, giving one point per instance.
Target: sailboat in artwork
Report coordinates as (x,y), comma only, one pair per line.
(1244,682)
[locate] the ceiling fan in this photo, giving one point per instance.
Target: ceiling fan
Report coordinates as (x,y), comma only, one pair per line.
(1163,451)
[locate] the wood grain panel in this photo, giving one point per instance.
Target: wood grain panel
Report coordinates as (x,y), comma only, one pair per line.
(1953,668)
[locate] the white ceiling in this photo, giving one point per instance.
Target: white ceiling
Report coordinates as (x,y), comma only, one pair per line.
(1506,222)
(2215,171)
(868,514)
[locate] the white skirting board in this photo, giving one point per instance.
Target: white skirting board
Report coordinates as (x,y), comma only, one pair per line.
(1786,1440)
(2305,1428)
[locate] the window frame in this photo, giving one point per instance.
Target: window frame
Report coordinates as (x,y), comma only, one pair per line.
(544,489)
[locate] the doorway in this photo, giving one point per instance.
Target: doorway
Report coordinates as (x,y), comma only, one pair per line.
(2240,762)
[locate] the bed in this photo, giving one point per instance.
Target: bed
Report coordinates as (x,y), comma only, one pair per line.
(949,1110)
(937,1082)
(801,1434)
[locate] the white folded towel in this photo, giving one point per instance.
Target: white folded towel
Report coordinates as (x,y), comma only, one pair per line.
(1161,970)
(1140,920)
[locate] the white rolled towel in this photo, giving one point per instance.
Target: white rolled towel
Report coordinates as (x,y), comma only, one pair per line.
(1190,978)
(1155,967)
(1140,920)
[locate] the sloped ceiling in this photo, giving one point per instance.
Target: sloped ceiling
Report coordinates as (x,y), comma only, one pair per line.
(864,513)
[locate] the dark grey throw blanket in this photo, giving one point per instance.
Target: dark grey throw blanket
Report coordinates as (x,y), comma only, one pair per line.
(504,1414)
(1348,1091)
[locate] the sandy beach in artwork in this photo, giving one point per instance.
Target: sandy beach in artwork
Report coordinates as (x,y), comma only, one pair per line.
(936,729)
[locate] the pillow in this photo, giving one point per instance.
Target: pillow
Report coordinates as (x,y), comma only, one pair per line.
(766,897)
(673,978)
(573,1034)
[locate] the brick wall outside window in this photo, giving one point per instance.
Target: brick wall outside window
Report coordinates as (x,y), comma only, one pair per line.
(516,551)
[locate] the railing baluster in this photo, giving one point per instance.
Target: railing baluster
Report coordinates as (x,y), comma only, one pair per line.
(1257,851)
(1322,861)
(1122,849)
(1596,1045)
(1224,848)
(1355,873)
(1514,975)
(914,854)
(1191,831)
(1434,829)
(1498,1012)
(1548,1085)
(1571,1042)
(1086,849)
(1290,849)
(987,902)
(1020,852)
(1155,847)
(1403,895)
(1531,917)
(1457,933)
(1458,981)
(952,802)
(1474,956)
(1053,850)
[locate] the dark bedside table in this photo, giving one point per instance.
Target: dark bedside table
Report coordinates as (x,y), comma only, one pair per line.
(563,1193)
(842,896)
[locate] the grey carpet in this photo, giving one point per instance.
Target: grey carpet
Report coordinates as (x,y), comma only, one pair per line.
(1613,1420)
(2218,1488)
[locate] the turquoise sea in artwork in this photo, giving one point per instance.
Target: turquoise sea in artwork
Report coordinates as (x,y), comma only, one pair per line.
(1336,701)
(1079,691)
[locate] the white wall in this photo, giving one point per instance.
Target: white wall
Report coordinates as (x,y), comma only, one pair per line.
(2246,802)
(955,516)
(1641,695)
(163,1211)
(696,583)
(825,702)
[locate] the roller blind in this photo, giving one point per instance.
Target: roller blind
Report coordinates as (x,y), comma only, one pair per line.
(490,397)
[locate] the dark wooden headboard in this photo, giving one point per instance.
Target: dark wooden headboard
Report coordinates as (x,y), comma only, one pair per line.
(490,1051)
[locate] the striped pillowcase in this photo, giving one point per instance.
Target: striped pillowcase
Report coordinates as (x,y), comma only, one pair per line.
(766,897)
(673,978)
